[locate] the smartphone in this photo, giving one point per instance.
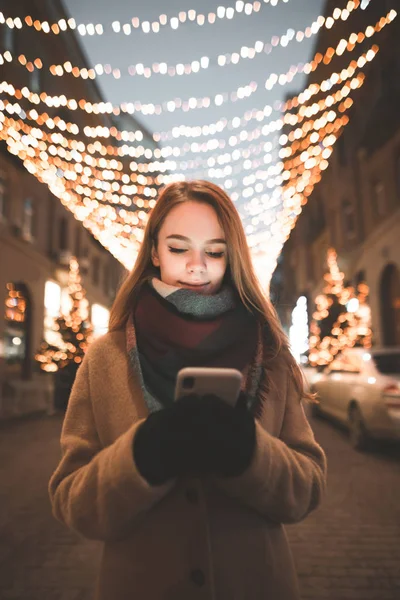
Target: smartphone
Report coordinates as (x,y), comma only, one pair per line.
(224,383)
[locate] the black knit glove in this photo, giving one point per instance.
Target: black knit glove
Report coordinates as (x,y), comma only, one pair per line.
(195,435)
(229,436)
(168,444)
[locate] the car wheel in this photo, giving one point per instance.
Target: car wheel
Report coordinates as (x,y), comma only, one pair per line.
(359,438)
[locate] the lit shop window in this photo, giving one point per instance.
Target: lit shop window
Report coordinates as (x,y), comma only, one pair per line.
(57,302)
(298,333)
(100,319)
(52,307)
(29,220)
(15,333)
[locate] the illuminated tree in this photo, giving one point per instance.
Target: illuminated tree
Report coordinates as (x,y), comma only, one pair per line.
(70,338)
(342,318)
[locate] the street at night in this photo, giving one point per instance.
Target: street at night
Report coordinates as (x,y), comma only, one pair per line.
(349,549)
(200,236)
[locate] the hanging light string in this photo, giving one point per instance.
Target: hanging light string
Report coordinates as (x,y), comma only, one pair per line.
(80,176)
(40,152)
(272,127)
(74,151)
(301,175)
(130,191)
(91,194)
(260,114)
(91,29)
(107,222)
(353,39)
(202,63)
(343,45)
(100,219)
(299,186)
(128,135)
(70,162)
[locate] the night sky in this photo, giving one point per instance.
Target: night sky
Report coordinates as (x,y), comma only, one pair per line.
(190,42)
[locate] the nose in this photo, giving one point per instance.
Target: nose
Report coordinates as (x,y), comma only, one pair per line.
(196,263)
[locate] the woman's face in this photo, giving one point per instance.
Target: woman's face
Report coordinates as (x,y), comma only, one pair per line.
(191,251)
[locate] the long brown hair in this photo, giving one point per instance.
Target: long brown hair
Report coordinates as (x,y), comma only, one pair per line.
(240,272)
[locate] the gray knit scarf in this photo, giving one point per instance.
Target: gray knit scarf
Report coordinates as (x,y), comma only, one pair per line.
(170,328)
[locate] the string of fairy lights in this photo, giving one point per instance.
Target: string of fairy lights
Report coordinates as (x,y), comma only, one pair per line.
(146,26)
(100,183)
(197,65)
(125,135)
(105,132)
(103,186)
(307,111)
(244,91)
(101,175)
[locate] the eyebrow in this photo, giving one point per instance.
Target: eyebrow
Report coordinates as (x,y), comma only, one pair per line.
(186,239)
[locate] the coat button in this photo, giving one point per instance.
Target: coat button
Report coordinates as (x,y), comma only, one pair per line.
(192,496)
(198,577)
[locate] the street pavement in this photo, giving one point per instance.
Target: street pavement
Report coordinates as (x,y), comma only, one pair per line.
(346,550)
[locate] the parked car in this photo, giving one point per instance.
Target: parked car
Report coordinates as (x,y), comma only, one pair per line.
(309,374)
(361,389)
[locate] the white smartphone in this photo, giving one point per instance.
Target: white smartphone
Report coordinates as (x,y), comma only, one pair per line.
(224,383)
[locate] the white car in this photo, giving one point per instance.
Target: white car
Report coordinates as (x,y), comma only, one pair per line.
(361,389)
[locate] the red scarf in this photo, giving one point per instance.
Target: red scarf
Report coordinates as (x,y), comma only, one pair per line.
(179,331)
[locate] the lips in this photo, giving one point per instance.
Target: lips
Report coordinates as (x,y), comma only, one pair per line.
(194,285)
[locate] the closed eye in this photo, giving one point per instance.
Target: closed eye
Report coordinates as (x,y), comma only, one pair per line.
(177,250)
(215,254)
(182,250)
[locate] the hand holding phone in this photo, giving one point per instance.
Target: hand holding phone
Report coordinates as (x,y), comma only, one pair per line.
(227,440)
(207,432)
(202,381)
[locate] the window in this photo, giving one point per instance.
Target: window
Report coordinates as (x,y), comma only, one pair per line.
(397,174)
(378,199)
(51,210)
(77,248)
(52,310)
(333,226)
(342,153)
(3,195)
(319,215)
(388,364)
(84,262)
(310,264)
(16,316)
(360,277)
(96,270)
(106,279)
(8,39)
(100,319)
(63,234)
(28,220)
(348,216)
(35,81)
(387,68)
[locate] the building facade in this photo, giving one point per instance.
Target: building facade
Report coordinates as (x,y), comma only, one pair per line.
(355,208)
(38,235)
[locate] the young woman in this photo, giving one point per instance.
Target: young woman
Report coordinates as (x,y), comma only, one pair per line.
(189,497)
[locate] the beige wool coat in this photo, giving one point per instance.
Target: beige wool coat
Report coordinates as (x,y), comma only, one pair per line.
(192,539)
